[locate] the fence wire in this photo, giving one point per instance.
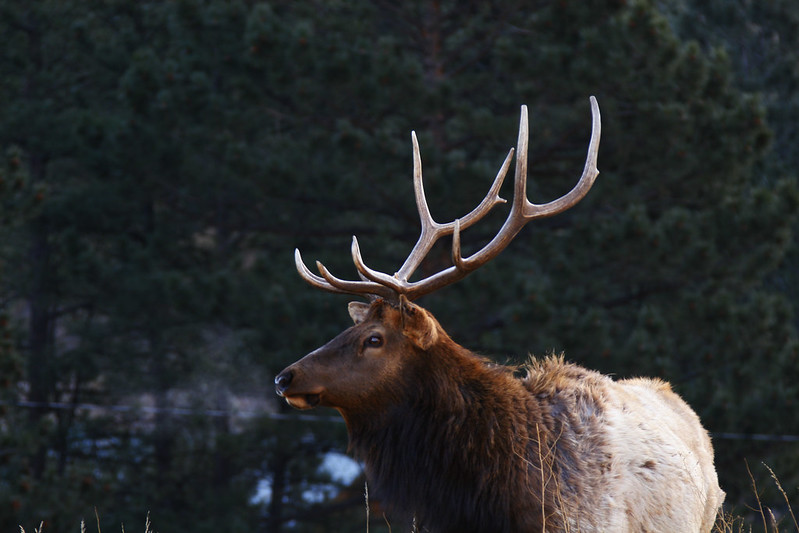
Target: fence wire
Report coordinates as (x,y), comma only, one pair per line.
(187,411)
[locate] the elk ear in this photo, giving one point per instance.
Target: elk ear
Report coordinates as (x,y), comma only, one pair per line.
(358,311)
(417,324)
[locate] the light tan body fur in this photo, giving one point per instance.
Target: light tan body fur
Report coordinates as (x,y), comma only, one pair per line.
(651,458)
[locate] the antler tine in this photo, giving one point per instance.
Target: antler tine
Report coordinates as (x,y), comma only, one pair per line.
(330,283)
(356,287)
(491,199)
(418,187)
(590,172)
(427,237)
(432,231)
(373,275)
(522,210)
(309,276)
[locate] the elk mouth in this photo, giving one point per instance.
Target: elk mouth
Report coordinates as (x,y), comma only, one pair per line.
(303,401)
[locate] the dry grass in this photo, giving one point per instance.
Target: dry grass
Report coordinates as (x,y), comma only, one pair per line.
(147,525)
(728,523)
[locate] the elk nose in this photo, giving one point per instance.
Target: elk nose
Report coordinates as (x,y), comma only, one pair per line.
(282,381)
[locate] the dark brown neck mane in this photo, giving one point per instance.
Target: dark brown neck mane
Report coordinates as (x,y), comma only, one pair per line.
(454,452)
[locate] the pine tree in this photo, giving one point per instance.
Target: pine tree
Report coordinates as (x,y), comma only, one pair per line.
(760,40)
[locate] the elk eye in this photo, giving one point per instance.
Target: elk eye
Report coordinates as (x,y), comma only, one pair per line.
(373,341)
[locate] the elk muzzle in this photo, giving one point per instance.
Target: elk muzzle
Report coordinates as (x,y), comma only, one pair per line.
(295,398)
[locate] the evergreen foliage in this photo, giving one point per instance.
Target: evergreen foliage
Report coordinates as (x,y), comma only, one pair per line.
(164,158)
(761,41)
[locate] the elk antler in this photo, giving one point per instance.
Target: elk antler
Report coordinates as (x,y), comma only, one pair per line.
(374,283)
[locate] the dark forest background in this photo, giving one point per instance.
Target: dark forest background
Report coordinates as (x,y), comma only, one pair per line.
(162,159)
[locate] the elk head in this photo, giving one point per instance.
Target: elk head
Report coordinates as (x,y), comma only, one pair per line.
(390,332)
(384,340)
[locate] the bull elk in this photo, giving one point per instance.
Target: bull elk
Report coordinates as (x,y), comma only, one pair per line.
(466,445)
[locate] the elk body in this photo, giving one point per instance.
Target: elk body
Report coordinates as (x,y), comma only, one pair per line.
(465,445)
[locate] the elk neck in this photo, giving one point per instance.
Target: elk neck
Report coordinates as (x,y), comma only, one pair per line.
(454,433)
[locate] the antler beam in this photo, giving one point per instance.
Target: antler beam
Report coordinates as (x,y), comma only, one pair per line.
(374,283)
